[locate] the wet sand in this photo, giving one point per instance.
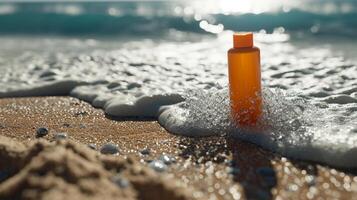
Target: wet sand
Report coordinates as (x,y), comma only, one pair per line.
(207,168)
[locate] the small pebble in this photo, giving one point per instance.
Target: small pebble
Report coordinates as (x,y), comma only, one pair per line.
(310,180)
(82,126)
(158,165)
(42,131)
(167,159)
(80,113)
(60,136)
(109,148)
(66,125)
(148,160)
(120,181)
(145,151)
(92,146)
(220,158)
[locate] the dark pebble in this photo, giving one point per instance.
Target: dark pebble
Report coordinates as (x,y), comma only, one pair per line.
(42,131)
(92,146)
(158,165)
(311,182)
(60,136)
(220,158)
(120,181)
(109,148)
(81,113)
(167,159)
(145,151)
(66,125)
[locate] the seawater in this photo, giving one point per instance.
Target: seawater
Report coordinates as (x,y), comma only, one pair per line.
(179,76)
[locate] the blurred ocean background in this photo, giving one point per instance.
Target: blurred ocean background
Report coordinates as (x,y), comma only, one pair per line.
(315,21)
(150,18)
(311,22)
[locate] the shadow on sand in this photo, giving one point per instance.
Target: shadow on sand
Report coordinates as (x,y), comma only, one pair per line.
(249,165)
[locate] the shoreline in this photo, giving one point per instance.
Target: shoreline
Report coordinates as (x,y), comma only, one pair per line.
(212,166)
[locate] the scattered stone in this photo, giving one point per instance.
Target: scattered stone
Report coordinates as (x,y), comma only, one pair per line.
(220,158)
(92,146)
(80,113)
(158,165)
(41,132)
(120,181)
(109,148)
(60,136)
(66,125)
(168,160)
(145,151)
(310,180)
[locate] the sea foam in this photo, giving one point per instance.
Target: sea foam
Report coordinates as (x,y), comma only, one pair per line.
(310,107)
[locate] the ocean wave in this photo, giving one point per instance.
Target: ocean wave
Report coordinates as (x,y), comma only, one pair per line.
(154,18)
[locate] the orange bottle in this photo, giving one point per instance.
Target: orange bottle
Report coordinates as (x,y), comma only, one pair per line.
(244,80)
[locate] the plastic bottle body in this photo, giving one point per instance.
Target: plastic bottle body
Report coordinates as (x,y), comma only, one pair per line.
(245,85)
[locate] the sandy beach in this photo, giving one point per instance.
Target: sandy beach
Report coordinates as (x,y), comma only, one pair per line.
(202,168)
(178,100)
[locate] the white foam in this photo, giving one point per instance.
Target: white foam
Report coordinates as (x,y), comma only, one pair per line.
(313,115)
(289,125)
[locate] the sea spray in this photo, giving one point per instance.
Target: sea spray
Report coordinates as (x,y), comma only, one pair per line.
(207,112)
(290,125)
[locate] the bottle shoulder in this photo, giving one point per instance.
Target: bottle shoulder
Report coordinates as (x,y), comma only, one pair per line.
(243,50)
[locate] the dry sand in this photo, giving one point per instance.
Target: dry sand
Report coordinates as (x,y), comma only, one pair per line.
(205,168)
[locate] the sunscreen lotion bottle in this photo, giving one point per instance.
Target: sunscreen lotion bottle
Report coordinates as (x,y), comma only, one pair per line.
(244,80)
